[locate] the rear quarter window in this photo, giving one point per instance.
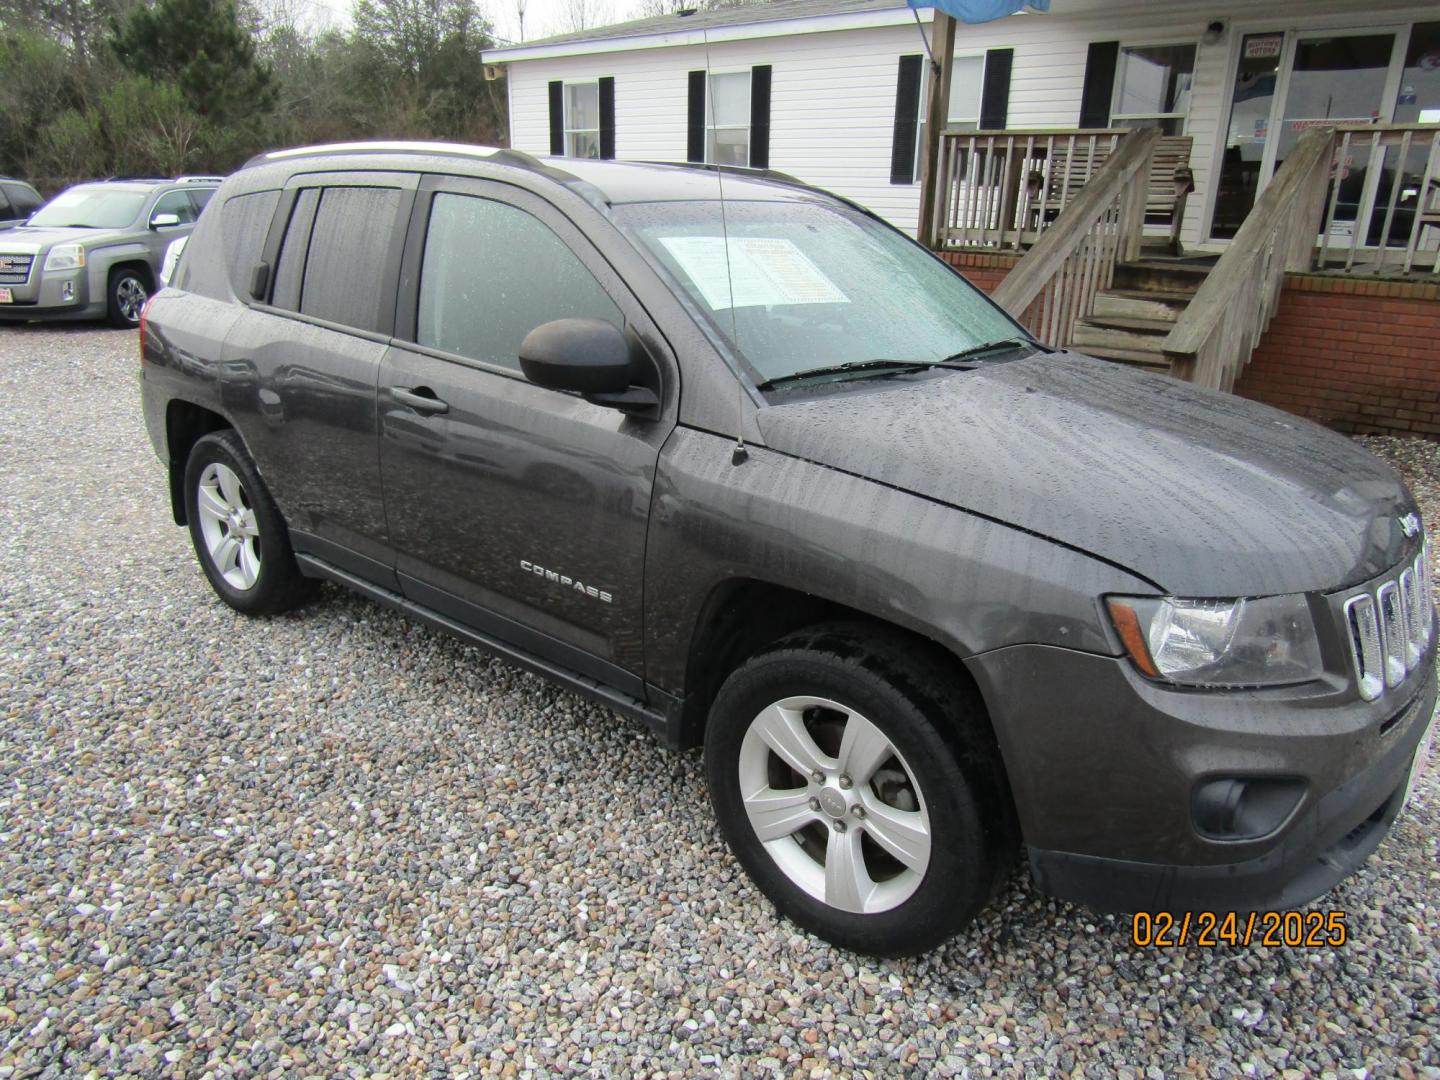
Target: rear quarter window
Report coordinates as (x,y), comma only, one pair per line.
(244,223)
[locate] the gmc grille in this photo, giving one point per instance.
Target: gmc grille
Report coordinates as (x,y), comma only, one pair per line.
(1390,628)
(15,269)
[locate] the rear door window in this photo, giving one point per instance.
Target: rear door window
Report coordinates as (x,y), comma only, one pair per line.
(201,196)
(7,212)
(491,273)
(290,264)
(344,280)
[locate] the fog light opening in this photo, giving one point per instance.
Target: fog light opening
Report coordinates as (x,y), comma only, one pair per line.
(67,291)
(1245,808)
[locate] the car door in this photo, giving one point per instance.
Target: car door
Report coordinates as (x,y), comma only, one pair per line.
(301,365)
(517,510)
(160,237)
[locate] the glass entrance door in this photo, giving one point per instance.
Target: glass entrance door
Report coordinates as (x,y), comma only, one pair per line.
(1288,83)
(1338,79)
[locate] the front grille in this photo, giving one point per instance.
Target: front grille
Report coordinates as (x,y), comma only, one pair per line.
(15,269)
(1390,628)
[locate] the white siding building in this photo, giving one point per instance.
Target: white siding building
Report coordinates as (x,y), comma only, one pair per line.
(830,90)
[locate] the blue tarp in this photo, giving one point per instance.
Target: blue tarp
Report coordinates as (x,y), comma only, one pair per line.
(979,11)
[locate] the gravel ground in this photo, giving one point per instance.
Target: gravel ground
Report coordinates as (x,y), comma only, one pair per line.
(338,844)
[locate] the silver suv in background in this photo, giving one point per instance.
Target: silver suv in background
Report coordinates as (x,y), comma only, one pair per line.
(18,200)
(95,250)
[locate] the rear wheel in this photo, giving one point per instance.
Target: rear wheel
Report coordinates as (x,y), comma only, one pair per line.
(129,290)
(239,536)
(853,784)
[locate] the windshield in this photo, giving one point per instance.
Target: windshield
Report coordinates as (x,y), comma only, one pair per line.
(815,285)
(91,208)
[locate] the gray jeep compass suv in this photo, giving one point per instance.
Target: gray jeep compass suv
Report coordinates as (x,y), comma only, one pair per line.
(95,250)
(772,479)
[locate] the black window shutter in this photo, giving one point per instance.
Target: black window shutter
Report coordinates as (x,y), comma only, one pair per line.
(695,126)
(1099,84)
(607,117)
(557,118)
(760,117)
(995,95)
(907,116)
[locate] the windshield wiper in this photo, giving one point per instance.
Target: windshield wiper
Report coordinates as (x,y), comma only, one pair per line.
(957,361)
(1003,345)
(854,366)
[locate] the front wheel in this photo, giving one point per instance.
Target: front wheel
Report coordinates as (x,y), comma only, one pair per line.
(128,293)
(239,536)
(855,785)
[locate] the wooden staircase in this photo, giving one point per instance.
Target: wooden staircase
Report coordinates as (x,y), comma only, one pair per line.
(1087,282)
(1129,321)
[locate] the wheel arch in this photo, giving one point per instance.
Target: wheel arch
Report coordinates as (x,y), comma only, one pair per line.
(741,616)
(186,424)
(138,264)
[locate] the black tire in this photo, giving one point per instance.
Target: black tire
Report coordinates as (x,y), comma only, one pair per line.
(279,585)
(938,725)
(126,294)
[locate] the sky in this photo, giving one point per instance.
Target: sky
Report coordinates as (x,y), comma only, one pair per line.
(542,17)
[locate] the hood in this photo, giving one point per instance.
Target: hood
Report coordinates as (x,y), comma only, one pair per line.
(32,241)
(1203,493)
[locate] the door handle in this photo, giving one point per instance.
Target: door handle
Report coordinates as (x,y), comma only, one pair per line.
(422,399)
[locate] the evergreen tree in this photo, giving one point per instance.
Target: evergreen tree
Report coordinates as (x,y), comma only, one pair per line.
(201,47)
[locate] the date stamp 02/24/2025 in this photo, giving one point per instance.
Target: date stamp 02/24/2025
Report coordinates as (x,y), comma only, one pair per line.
(1213,929)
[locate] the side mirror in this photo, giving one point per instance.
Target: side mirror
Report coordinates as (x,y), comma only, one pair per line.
(164,221)
(589,357)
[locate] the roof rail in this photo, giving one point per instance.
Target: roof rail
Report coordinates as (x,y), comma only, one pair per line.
(735,170)
(493,154)
(199,179)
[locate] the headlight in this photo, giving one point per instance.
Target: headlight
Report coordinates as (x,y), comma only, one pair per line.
(65,257)
(1265,642)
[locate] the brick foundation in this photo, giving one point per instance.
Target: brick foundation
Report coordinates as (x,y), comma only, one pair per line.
(1358,355)
(981,269)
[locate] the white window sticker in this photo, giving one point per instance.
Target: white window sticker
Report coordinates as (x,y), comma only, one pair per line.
(762,271)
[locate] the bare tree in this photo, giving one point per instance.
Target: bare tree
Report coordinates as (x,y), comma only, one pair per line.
(577,15)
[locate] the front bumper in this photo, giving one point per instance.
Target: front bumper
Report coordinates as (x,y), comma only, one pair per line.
(1322,848)
(1104,766)
(54,295)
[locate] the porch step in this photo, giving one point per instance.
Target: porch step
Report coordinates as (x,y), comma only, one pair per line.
(1140,304)
(1090,334)
(1160,275)
(1148,361)
(1159,327)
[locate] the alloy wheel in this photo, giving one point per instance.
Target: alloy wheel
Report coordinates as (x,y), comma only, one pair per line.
(834,804)
(130,297)
(227,523)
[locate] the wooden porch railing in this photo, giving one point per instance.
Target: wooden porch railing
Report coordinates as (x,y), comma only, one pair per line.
(1002,188)
(1055,283)
(1214,337)
(1383,213)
